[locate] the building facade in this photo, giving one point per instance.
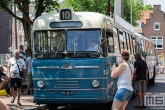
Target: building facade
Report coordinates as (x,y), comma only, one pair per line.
(5,32)
(154,29)
(18,31)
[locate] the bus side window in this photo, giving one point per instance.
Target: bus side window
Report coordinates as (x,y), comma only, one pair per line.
(103,49)
(128,43)
(121,39)
(131,46)
(110,43)
(116,41)
(153,49)
(134,45)
(125,41)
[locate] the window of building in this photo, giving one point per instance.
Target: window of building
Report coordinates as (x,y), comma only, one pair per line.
(158,42)
(156,26)
(20,40)
(20,26)
(138,25)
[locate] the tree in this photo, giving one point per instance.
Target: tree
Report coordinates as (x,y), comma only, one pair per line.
(23,6)
(148,7)
(101,6)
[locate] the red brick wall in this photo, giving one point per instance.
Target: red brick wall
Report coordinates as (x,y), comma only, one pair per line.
(148,28)
(5,32)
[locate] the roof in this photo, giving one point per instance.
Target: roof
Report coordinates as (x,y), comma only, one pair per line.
(146,15)
(89,20)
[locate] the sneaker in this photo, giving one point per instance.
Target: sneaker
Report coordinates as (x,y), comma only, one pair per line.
(12,100)
(19,104)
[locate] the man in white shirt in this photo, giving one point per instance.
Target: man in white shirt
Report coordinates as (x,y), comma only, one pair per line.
(92,45)
(15,65)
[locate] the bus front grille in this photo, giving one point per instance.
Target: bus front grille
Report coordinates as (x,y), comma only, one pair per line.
(67,84)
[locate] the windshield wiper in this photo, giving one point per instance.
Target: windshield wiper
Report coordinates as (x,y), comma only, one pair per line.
(58,46)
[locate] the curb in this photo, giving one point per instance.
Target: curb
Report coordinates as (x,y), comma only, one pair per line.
(36,107)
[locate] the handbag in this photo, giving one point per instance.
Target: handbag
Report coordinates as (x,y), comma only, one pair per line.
(20,72)
(113,89)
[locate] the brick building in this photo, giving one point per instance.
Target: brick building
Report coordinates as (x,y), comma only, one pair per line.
(154,29)
(5,32)
(19,38)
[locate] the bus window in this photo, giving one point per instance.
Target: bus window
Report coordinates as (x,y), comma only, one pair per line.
(130,40)
(48,41)
(110,43)
(121,39)
(125,41)
(150,48)
(142,43)
(104,44)
(153,49)
(133,51)
(134,45)
(145,46)
(83,40)
(128,43)
(116,41)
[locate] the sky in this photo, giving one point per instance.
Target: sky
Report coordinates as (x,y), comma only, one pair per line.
(156,2)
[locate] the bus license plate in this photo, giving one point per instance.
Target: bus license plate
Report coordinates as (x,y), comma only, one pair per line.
(67,93)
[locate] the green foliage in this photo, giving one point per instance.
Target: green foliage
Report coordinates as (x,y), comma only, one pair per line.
(101,6)
(148,7)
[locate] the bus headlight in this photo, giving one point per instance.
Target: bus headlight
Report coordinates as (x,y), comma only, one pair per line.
(95,83)
(40,84)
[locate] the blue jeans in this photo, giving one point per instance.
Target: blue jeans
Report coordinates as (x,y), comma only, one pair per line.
(123,95)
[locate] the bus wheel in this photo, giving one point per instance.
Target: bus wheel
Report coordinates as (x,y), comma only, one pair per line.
(52,106)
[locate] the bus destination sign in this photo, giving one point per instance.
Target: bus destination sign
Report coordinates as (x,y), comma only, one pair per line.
(66,24)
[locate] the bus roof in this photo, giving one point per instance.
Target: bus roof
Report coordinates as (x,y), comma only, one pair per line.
(89,20)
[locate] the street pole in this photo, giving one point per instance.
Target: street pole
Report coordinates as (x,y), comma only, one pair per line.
(131,11)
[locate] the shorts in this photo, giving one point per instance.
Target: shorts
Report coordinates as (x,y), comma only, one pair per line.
(29,79)
(17,81)
(123,95)
(140,85)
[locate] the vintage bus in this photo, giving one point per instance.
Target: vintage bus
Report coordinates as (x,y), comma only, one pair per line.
(73,53)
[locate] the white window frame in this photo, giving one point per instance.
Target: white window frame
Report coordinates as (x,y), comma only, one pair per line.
(20,26)
(156,23)
(156,41)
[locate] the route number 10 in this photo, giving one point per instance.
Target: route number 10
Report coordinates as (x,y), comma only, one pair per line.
(65,14)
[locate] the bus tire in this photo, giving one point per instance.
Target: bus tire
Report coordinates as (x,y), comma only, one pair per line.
(52,106)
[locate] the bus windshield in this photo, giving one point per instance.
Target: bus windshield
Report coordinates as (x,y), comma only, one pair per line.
(49,41)
(82,40)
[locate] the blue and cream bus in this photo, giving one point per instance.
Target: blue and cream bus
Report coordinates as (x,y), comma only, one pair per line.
(65,70)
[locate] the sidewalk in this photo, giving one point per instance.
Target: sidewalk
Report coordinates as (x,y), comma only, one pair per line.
(26,101)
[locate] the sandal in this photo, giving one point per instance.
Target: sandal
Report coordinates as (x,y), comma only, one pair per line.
(137,106)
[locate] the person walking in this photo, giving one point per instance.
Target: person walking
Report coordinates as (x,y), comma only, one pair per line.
(124,72)
(29,72)
(140,77)
(23,56)
(15,65)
